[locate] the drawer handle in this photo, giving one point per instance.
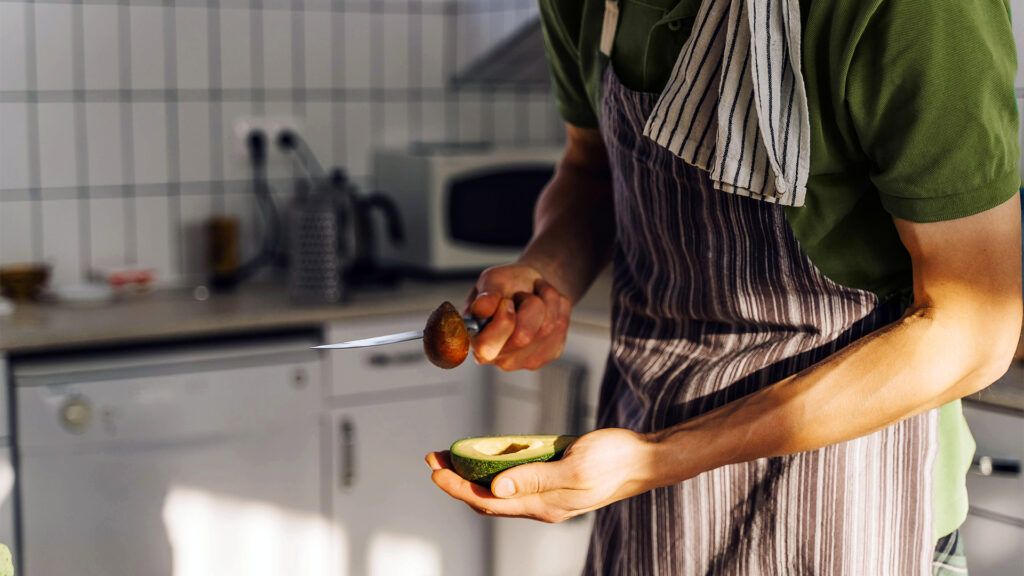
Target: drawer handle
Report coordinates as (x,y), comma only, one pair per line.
(346,454)
(382,360)
(1001,467)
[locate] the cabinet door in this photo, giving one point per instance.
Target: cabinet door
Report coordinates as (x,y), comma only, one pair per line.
(524,546)
(395,367)
(389,517)
(205,472)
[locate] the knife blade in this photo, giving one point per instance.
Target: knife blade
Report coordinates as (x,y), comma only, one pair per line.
(472,325)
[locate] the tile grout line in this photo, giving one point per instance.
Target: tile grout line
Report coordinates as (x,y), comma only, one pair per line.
(81,140)
(414,69)
(216,111)
(299,88)
(378,117)
(34,167)
(131,249)
(256,62)
(171,116)
(337,81)
(450,67)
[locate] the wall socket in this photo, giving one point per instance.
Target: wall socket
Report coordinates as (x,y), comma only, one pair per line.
(271,126)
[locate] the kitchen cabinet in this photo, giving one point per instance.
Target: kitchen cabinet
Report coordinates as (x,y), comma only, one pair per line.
(525,546)
(173,461)
(994,530)
(389,517)
(384,369)
(389,406)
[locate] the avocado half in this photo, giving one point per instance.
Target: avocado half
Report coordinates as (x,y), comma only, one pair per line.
(480,459)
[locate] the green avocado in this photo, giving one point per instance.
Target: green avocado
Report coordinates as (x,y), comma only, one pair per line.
(480,459)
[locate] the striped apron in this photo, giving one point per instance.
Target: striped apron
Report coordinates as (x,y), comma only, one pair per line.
(712,300)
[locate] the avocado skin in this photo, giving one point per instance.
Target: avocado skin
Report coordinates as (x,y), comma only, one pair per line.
(482,472)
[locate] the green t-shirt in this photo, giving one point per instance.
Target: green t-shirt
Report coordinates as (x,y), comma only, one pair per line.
(912,115)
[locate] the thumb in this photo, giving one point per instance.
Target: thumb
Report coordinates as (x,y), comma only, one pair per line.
(529,479)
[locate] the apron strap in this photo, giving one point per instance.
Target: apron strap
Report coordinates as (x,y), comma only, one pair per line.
(608,26)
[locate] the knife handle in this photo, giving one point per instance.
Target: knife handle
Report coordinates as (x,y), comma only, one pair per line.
(475,325)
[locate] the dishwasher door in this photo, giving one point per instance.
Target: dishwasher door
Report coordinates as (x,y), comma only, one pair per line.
(189,463)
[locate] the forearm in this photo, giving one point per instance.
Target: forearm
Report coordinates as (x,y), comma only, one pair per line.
(574,224)
(928,358)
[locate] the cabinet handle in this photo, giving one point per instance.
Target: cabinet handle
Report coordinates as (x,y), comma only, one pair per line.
(1002,467)
(383,360)
(346,454)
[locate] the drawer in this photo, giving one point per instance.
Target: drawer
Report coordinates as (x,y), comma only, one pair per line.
(388,367)
(998,436)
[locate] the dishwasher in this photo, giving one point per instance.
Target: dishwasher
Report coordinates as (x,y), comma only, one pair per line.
(173,461)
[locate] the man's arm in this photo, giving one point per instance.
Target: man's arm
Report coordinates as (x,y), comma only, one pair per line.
(529,302)
(957,338)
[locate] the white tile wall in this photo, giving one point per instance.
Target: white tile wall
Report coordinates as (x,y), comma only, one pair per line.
(194,141)
(191,42)
(125,213)
(147,38)
(355,51)
(318,125)
(277,49)
(13,151)
(235,165)
(53,46)
(318,47)
(12,46)
(396,125)
(57,145)
(61,240)
(195,210)
(235,46)
(154,230)
(16,231)
(102,55)
(434,121)
(107,227)
(103,132)
(432,56)
(357,133)
(149,138)
(396,62)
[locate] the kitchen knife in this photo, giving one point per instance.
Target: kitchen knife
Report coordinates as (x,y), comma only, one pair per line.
(472,325)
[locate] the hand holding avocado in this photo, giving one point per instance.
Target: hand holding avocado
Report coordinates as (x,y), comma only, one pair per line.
(599,468)
(529,317)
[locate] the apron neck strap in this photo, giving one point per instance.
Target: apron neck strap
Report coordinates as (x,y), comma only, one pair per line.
(608,26)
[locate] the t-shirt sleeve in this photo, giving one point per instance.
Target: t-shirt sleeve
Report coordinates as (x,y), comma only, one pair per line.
(561,24)
(931,97)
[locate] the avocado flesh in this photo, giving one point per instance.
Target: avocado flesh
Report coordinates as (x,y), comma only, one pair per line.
(480,459)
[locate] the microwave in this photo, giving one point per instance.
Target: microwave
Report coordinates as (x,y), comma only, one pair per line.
(464,208)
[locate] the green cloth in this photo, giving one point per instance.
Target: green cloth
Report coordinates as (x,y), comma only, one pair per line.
(912,115)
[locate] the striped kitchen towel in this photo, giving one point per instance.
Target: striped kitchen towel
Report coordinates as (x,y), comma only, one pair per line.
(736,105)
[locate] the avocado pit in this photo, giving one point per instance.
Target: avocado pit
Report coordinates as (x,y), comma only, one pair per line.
(445,337)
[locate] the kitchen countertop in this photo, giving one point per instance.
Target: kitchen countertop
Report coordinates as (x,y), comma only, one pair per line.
(176,314)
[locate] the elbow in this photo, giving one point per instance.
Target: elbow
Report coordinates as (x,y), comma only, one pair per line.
(997,348)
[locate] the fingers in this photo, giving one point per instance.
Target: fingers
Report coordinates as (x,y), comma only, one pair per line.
(556,308)
(489,342)
(485,304)
(438,460)
(531,479)
(478,497)
(530,316)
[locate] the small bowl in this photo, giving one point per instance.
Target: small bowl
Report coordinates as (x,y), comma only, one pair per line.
(23,281)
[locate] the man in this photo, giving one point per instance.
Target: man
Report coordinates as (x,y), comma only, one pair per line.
(782,393)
